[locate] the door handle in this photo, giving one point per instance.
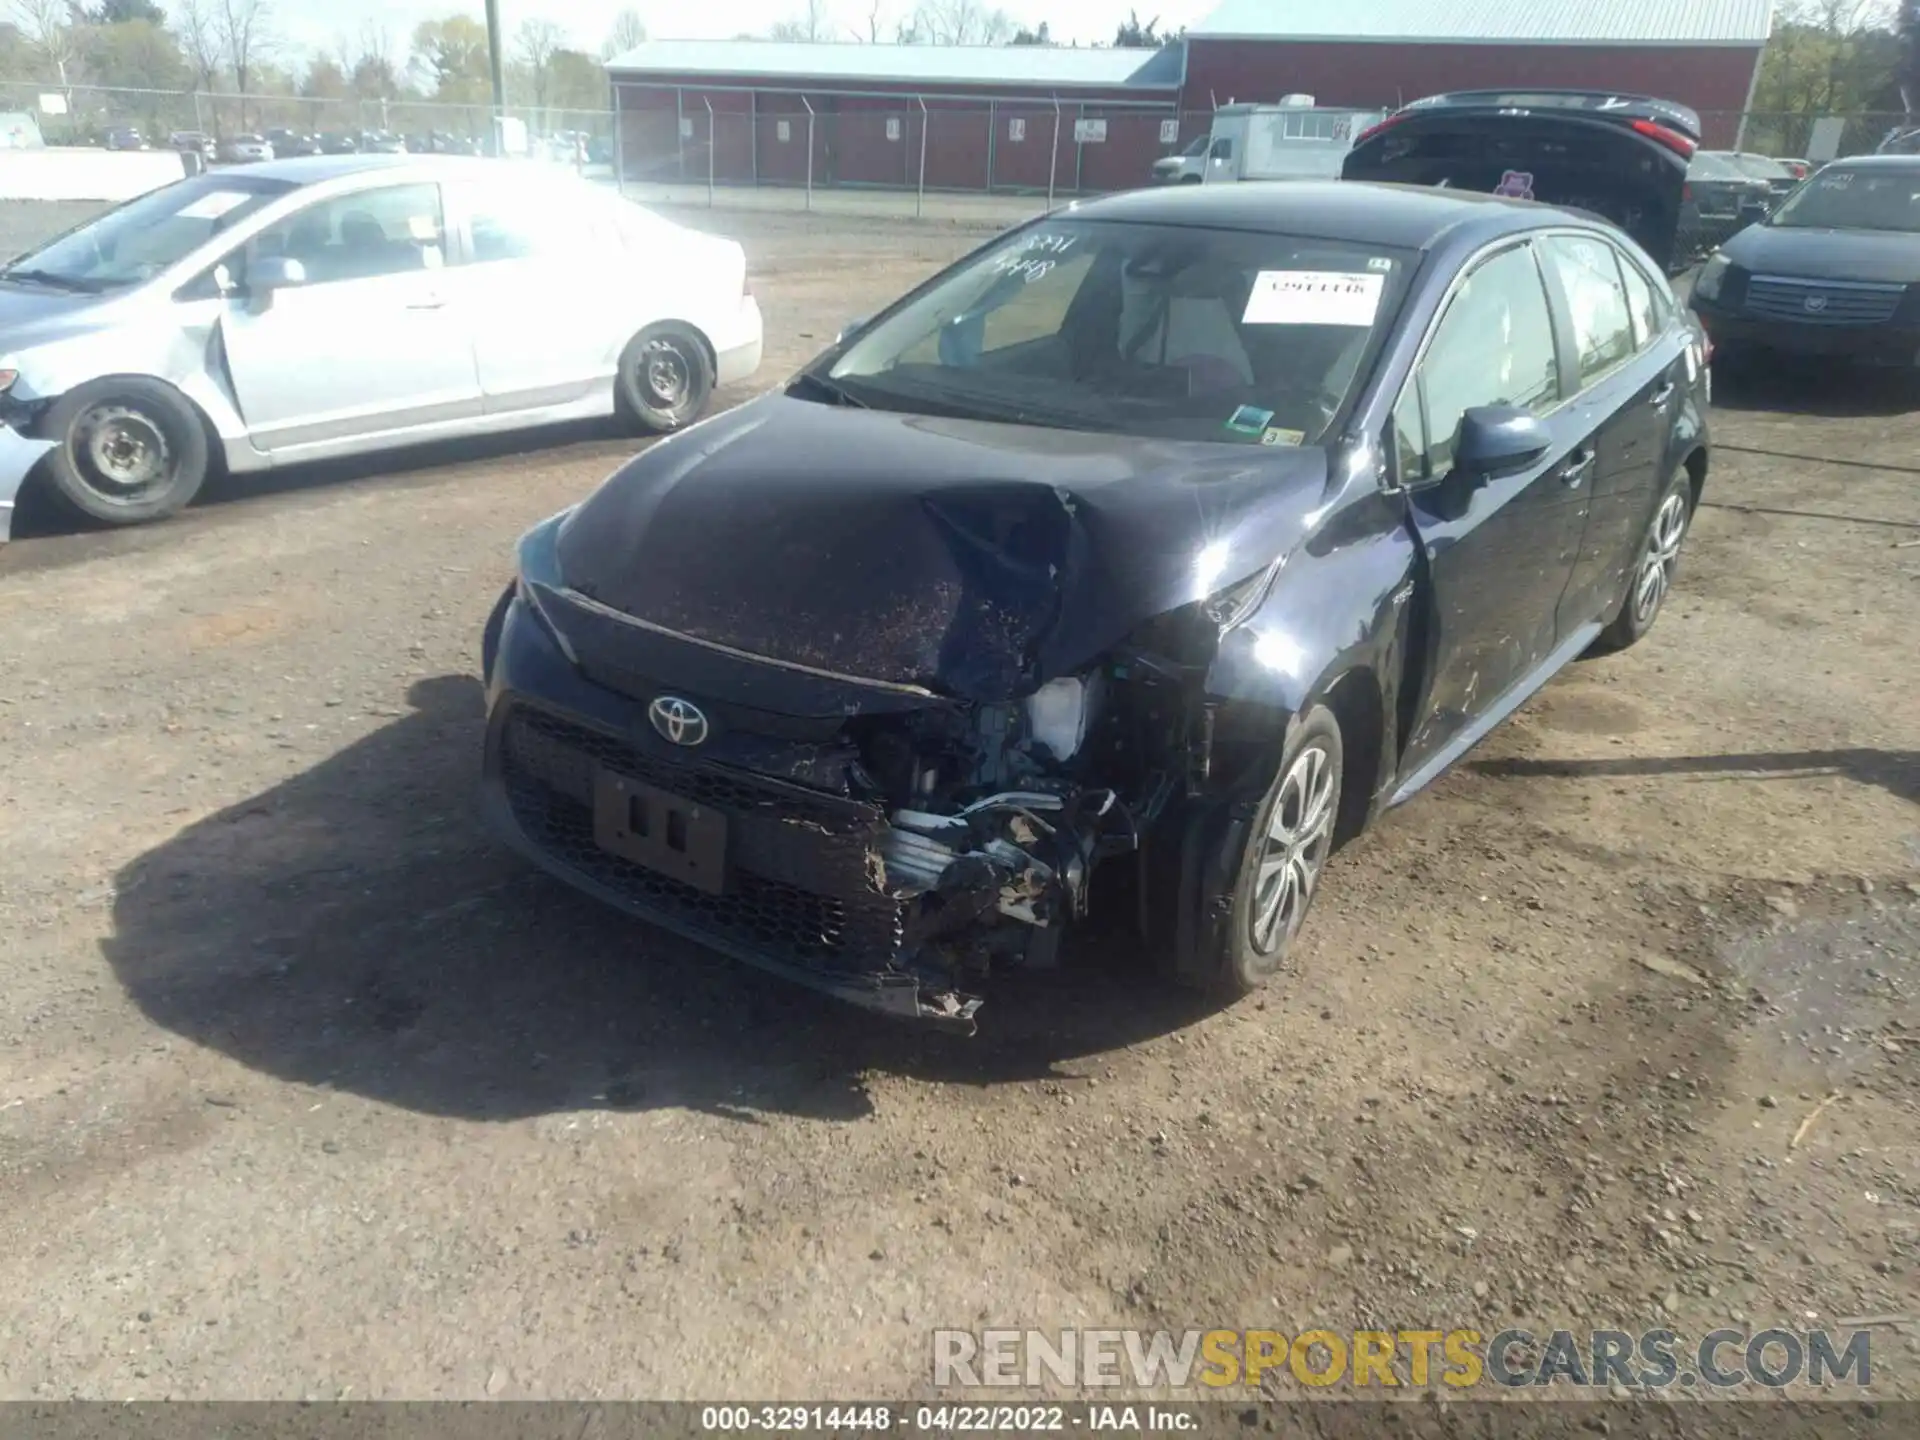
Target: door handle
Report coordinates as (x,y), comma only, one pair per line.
(1575,470)
(1661,396)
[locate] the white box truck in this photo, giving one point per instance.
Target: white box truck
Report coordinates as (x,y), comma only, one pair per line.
(1294,140)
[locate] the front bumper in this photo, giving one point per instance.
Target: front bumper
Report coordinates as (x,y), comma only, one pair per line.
(801,899)
(18,455)
(739,345)
(1891,344)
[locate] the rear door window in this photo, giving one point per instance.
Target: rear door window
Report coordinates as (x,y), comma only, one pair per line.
(1589,274)
(1650,305)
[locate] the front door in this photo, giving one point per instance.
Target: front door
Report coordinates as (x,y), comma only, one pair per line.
(1499,551)
(371,341)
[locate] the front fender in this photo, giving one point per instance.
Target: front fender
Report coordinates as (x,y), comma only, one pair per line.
(1337,605)
(18,455)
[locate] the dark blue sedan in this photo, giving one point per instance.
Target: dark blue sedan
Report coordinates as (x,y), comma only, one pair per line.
(1136,561)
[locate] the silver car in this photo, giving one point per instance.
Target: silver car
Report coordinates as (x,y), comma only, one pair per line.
(330,305)
(244,150)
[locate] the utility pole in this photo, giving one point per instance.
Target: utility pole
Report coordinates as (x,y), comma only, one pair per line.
(495,68)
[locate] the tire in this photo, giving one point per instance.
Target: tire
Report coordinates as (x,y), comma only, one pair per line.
(665,379)
(1656,563)
(126,450)
(1270,904)
(1189,179)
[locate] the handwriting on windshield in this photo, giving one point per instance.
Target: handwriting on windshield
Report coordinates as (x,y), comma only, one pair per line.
(1033,256)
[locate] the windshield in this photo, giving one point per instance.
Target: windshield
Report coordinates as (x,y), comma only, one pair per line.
(1152,330)
(136,241)
(1855,200)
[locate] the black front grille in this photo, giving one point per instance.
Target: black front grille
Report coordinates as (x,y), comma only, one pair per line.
(1815,303)
(799,888)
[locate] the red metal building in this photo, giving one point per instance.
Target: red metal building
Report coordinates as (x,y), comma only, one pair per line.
(1052,118)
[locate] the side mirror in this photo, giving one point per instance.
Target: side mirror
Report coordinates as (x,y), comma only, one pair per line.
(847,329)
(1498,440)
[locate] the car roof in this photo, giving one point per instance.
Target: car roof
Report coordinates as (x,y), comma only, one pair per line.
(1901,163)
(1589,104)
(320,169)
(1407,217)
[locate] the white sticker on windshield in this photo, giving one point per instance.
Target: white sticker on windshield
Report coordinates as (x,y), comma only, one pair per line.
(1313,297)
(213,205)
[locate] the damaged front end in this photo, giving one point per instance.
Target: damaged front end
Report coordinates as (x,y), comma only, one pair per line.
(875,725)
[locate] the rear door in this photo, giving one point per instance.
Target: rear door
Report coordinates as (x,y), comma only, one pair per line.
(1628,369)
(1499,552)
(538,259)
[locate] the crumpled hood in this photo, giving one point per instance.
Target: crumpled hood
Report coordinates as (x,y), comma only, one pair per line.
(1872,256)
(977,560)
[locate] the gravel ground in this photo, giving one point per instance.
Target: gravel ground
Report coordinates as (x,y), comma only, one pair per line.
(307,1088)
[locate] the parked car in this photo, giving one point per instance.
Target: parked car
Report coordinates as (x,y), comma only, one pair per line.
(126,137)
(1621,157)
(1835,271)
(1152,549)
(244,150)
(1901,140)
(1720,200)
(192,140)
(380,142)
(1799,169)
(335,143)
(301,309)
(288,143)
(1780,179)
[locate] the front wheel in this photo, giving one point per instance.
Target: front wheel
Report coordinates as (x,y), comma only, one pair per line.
(1286,848)
(665,379)
(126,450)
(1655,568)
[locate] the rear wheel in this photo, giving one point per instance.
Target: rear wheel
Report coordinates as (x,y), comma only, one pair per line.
(126,450)
(1655,568)
(665,379)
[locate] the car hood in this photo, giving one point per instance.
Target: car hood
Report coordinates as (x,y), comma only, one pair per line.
(976,560)
(1880,256)
(27,311)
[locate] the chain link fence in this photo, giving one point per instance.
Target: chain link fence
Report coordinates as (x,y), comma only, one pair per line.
(927,144)
(95,115)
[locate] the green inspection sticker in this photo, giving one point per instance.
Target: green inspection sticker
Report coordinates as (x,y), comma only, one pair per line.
(1249,420)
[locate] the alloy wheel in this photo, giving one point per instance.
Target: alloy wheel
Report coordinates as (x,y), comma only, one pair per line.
(1298,839)
(1662,555)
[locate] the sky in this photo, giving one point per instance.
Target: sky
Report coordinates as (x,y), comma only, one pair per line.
(324,24)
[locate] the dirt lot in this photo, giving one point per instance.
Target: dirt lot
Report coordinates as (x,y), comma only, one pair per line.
(307,1088)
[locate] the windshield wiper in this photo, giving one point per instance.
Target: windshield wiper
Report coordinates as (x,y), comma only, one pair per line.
(54,280)
(832,390)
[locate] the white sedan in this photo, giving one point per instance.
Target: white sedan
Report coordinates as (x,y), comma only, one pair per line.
(330,305)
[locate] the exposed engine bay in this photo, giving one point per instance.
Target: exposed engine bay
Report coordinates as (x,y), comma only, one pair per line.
(1000,815)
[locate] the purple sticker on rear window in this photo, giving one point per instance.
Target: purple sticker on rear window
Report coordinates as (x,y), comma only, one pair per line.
(1516,185)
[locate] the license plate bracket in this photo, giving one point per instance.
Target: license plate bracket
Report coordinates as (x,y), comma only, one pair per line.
(660,831)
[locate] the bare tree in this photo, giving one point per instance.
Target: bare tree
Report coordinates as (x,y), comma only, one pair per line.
(245,30)
(48,26)
(962,22)
(534,44)
(196,22)
(812,24)
(629,33)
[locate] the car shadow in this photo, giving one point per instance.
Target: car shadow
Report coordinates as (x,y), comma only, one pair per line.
(1895,771)
(1796,385)
(354,927)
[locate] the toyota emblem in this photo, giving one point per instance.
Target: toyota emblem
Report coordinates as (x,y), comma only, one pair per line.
(679,721)
(1816,303)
